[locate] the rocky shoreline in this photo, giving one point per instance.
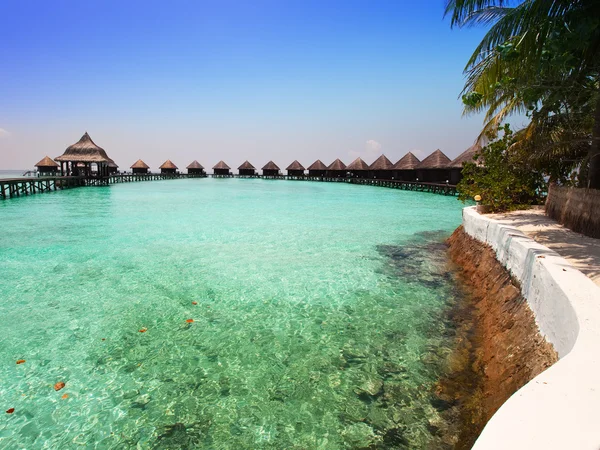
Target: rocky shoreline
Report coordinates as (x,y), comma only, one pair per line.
(498,346)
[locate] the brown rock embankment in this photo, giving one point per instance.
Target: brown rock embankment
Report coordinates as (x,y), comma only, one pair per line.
(498,344)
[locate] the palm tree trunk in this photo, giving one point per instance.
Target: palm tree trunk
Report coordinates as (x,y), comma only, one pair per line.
(594,155)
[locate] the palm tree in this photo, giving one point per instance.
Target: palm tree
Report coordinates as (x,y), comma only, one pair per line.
(540,57)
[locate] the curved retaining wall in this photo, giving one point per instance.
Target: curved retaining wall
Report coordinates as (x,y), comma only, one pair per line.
(560,408)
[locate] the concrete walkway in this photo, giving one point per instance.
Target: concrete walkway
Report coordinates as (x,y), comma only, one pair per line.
(581,251)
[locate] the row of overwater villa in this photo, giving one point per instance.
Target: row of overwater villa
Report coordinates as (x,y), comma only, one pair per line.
(87,159)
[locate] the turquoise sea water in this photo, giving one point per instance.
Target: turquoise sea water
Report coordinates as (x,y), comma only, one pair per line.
(318,324)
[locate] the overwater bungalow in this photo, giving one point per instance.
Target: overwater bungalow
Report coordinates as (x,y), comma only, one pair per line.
(404,169)
(139,167)
(295,169)
(270,169)
(317,169)
(47,166)
(168,167)
(195,168)
(381,168)
(336,169)
(247,169)
(112,166)
(221,169)
(456,165)
(434,168)
(358,168)
(82,157)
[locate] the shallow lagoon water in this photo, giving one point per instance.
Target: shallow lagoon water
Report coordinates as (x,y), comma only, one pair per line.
(308,332)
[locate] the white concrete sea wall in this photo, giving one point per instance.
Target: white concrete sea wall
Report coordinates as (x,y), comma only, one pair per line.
(560,408)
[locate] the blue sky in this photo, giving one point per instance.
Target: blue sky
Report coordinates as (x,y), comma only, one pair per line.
(232,80)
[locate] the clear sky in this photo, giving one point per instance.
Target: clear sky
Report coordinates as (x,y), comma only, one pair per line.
(232,80)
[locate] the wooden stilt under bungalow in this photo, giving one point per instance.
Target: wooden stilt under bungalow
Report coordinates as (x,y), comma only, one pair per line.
(317,169)
(404,169)
(456,165)
(381,168)
(139,167)
(168,167)
(195,168)
(47,166)
(336,169)
(84,158)
(434,168)
(247,169)
(358,168)
(221,169)
(270,169)
(295,169)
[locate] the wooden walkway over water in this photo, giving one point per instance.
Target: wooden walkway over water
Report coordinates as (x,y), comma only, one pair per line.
(25,186)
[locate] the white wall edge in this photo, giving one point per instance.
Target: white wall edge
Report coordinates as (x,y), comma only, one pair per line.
(560,408)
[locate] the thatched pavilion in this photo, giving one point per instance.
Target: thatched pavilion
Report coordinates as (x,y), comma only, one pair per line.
(168,167)
(381,168)
(295,169)
(195,168)
(47,166)
(358,168)
(112,166)
(247,169)
(434,168)
(404,169)
(336,169)
(456,165)
(79,159)
(221,169)
(317,169)
(139,167)
(270,169)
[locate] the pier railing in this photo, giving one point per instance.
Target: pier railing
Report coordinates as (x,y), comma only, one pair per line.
(19,187)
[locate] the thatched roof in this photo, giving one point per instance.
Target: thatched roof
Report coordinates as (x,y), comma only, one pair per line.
(466,156)
(111,163)
(337,165)
(270,166)
(357,164)
(221,165)
(139,164)
(246,166)
(295,166)
(437,160)
(168,165)
(381,163)
(195,165)
(85,150)
(407,162)
(47,162)
(317,165)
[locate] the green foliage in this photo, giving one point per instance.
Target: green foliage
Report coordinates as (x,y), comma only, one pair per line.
(505,183)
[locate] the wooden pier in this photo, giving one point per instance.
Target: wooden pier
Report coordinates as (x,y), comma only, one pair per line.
(20,187)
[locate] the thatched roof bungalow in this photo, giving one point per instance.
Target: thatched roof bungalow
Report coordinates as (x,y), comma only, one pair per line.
(247,169)
(456,165)
(139,167)
(404,169)
(79,157)
(434,168)
(381,168)
(295,169)
(112,166)
(195,168)
(221,169)
(270,169)
(336,169)
(168,167)
(358,168)
(317,169)
(47,166)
